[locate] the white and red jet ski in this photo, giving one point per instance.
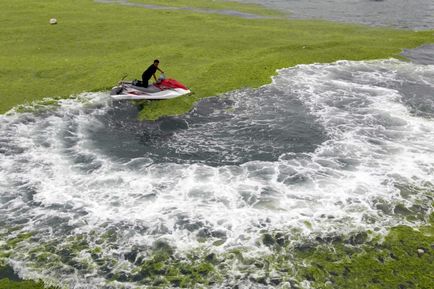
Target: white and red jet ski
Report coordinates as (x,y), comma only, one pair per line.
(162,89)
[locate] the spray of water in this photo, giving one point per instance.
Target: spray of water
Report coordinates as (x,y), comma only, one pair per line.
(325,149)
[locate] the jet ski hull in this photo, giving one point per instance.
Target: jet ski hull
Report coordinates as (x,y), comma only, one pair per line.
(166,89)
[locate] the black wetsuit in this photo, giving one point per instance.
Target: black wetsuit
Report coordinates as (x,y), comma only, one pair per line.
(147,74)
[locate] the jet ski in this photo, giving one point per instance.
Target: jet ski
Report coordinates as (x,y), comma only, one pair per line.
(162,89)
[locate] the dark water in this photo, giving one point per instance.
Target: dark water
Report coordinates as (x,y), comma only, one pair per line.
(421,55)
(250,125)
(168,7)
(407,14)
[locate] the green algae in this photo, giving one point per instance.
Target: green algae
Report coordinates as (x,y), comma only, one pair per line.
(38,106)
(12,243)
(163,268)
(9,280)
(405,259)
(157,266)
(402,259)
(24,284)
(93,45)
(9,240)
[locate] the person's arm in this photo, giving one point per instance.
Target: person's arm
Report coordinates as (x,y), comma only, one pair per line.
(160,70)
(154,77)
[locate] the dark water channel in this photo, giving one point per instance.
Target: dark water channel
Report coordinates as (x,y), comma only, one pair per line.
(245,126)
(407,14)
(168,7)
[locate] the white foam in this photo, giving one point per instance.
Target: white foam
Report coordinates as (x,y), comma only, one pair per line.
(373,143)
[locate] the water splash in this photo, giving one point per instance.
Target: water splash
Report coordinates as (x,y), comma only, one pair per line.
(326,149)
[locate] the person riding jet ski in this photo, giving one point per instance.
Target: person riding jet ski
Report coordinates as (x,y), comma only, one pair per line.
(149,72)
(162,88)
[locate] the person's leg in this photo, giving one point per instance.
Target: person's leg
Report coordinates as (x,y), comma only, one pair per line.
(145,81)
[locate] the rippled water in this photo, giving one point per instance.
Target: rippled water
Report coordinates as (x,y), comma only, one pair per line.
(168,7)
(416,14)
(329,145)
(250,125)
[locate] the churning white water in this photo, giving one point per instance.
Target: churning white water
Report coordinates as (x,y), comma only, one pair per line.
(325,149)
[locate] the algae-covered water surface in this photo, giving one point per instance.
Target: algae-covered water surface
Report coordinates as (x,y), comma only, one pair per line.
(94,44)
(319,177)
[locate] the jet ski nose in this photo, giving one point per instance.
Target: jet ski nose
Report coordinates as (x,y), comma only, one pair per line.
(116,90)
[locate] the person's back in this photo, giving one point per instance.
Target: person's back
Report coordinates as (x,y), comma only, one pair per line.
(149,72)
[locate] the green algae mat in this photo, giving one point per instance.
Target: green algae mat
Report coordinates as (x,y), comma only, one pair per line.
(403,259)
(94,44)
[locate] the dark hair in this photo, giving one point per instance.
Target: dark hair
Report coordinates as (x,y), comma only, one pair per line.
(156,60)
